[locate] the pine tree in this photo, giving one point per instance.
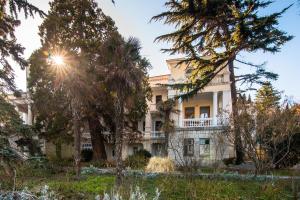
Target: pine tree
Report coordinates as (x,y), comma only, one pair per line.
(213,33)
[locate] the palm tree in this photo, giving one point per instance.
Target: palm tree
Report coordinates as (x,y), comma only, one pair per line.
(125,72)
(166,108)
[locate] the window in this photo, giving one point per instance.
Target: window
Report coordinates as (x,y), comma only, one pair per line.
(158,99)
(113,153)
(86,146)
(135,150)
(204,112)
(188,147)
(158,125)
(189,113)
(204,146)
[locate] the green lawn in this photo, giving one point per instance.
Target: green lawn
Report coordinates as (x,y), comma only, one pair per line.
(171,187)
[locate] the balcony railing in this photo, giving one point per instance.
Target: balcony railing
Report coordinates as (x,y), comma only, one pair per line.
(157,134)
(153,107)
(200,122)
(204,122)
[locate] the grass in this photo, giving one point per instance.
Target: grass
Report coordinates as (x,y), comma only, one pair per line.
(171,187)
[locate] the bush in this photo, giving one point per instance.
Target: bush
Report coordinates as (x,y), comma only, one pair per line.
(25,194)
(103,163)
(159,165)
(136,161)
(229,161)
(87,155)
(139,160)
(144,153)
(136,194)
(38,162)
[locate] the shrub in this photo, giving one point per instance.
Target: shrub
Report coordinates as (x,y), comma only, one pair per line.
(144,152)
(25,194)
(103,163)
(229,161)
(136,161)
(87,155)
(139,160)
(136,194)
(38,162)
(159,165)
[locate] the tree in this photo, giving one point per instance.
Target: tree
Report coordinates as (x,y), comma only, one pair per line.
(10,49)
(125,77)
(165,109)
(267,97)
(9,124)
(51,106)
(75,30)
(213,33)
(9,46)
(268,137)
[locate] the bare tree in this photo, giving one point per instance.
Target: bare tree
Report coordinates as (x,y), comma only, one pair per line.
(266,136)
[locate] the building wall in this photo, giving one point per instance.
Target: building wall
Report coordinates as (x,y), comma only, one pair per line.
(219,86)
(66,152)
(197,102)
(218,149)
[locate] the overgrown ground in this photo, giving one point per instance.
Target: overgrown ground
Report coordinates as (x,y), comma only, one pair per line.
(171,187)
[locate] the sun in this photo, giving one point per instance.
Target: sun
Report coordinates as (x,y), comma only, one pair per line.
(58,60)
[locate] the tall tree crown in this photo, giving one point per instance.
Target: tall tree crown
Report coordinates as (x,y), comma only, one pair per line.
(267,97)
(213,33)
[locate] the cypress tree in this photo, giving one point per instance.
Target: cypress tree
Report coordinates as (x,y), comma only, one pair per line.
(267,97)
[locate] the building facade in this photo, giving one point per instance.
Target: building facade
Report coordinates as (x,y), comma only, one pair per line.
(198,122)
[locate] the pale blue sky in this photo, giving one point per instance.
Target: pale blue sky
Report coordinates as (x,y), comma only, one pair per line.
(132,18)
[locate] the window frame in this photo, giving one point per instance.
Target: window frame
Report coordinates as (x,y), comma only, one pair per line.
(156,99)
(185,112)
(188,147)
(208,114)
(204,146)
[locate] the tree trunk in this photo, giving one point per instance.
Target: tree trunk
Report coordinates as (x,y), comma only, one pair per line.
(119,121)
(58,146)
(167,143)
(77,138)
(237,136)
(99,152)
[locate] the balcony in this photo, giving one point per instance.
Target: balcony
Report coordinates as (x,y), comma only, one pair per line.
(153,107)
(157,134)
(203,122)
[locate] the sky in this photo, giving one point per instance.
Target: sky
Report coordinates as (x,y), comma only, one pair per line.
(132,18)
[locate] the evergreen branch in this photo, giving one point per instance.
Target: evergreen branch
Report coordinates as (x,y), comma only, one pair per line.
(251,64)
(23,5)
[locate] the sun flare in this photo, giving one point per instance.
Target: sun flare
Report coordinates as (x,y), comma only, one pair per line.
(58,60)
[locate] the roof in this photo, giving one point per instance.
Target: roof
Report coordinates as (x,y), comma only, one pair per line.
(161,79)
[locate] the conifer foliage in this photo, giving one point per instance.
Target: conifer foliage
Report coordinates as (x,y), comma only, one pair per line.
(212,34)
(267,97)
(10,122)
(9,48)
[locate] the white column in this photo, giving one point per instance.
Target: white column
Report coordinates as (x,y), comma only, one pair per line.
(180,108)
(148,124)
(215,108)
(29,114)
(226,101)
